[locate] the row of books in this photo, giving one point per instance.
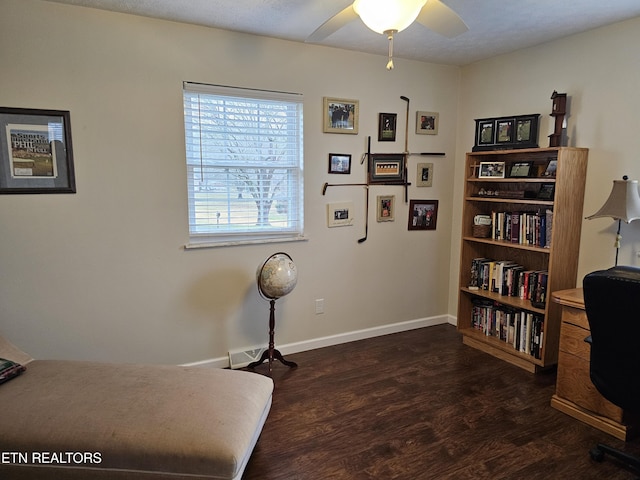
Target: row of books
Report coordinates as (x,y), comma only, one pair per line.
(522,329)
(506,277)
(524,228)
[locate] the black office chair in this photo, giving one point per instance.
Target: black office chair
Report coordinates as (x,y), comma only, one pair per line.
(612,303)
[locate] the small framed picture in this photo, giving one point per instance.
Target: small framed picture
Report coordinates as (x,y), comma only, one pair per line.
(491,170)
(387,127)
(385,207)
(340,115)
(424,176)
(504,131)
(546,192)
(550,171)
(521,169)
(423,214)
(36,155)
(339,163)
(386,168)
(485,133)
(339,214)
(427,123)
(523,129)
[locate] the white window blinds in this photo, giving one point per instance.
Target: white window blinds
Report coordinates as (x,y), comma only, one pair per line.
(244,151)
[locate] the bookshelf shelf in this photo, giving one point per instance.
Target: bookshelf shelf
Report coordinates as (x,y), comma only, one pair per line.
(537,238)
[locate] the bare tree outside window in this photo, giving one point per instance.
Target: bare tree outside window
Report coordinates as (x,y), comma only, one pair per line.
(244,158)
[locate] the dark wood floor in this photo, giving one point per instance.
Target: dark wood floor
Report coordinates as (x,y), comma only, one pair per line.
(420,405)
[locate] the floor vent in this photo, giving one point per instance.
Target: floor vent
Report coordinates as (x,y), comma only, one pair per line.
(242,358)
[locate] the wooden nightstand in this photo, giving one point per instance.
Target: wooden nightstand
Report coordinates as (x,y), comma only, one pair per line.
(575,393)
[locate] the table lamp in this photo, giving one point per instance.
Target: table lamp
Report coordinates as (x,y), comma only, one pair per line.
(623,204)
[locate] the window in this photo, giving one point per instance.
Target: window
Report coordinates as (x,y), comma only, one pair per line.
(244,152)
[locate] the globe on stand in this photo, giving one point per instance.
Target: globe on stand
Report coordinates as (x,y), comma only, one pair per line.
(276,277)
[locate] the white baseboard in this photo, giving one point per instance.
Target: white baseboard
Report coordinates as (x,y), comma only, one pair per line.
(312,344)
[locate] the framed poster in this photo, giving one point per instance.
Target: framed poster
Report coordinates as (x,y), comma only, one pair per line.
(387,127)
(340,214)
(427,123)
(36,154)
(385,206)
(424,175)
(340,115)
(423,214)
(386,168)
(339,163)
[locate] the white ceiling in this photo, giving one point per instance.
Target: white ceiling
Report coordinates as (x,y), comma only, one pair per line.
(495,26)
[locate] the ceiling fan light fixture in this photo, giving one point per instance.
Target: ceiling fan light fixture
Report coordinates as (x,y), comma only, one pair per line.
(383,15)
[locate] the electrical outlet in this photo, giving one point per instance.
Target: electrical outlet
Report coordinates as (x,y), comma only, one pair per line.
(319,306)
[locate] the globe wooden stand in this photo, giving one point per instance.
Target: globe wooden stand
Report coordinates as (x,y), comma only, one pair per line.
(271,352)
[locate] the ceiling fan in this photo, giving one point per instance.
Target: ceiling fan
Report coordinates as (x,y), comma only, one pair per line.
(389,17)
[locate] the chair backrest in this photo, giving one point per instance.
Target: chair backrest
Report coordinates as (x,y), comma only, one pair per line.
(612,303)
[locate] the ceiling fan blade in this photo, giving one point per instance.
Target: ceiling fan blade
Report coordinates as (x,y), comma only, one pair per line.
(332,25)
(436,16)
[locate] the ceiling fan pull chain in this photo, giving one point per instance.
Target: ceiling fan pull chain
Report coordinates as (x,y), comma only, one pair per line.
(390,37)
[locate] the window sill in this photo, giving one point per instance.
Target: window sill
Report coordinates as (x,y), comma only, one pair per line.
(233,243)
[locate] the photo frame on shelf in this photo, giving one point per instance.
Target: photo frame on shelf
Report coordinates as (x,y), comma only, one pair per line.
(36,152)
(423,214)
(485,133)
(550,171)
(385,207)
(502,133)
(340,163)
(547,191)
(491,170)
(424,175)
(427,123)
(387,127)
(521,169)
(340,115)
(386,168)
(339,214)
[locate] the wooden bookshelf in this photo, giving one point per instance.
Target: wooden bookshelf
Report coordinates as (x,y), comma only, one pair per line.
(559,258)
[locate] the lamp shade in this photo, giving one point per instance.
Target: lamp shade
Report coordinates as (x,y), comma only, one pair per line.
(384,15)
(623,202)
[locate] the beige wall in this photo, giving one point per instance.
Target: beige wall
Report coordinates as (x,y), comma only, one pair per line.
(599,70)
(103,275)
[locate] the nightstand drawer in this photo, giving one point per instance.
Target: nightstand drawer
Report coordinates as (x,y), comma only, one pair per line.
(572,341)
(574,383)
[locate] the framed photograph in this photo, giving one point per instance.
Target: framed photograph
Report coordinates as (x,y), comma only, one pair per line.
(340,115)
(386,168)
(423,214)
(501,133)
(427,123)
(424,176)
(485,133)
(504,131)
(36,154)
(521,169)
(550,171)
(385,206)
(339,214)
(524,129)
(339,163)
(546,192)
(387,127)
(491,170)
